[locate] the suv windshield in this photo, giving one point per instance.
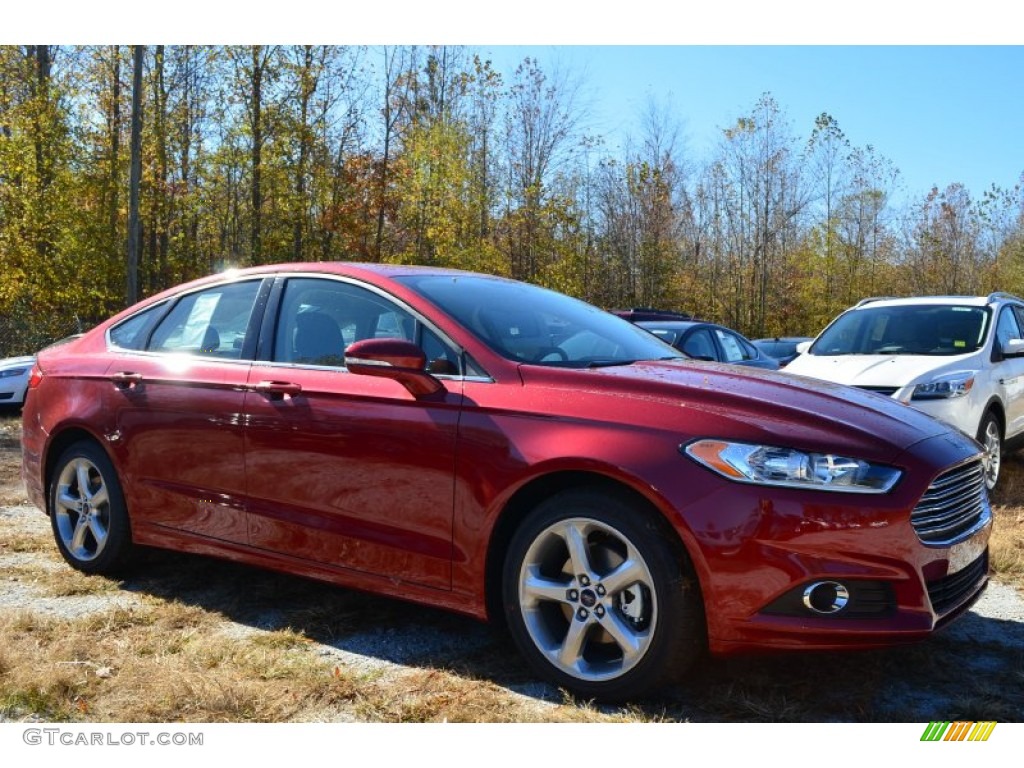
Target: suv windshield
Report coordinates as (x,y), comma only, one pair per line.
(530,324)
(918,329)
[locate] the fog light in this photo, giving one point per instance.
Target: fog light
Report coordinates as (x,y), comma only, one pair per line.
(826,597)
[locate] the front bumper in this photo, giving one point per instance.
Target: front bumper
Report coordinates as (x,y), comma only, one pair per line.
(761,550)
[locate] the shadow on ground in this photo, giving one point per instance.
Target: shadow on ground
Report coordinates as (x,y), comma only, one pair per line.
(972,671)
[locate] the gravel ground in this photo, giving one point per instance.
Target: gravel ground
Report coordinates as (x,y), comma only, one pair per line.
(990,633)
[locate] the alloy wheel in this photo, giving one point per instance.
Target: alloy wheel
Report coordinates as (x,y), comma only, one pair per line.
(587,599)
(82,510)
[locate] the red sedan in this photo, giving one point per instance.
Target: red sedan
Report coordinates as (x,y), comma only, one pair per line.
(507,452)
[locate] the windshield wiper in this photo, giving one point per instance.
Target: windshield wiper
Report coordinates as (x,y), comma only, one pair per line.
(608,363)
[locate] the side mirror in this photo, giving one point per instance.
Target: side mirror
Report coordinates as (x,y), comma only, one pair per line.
(803,346)
(1013,348)
(395,359)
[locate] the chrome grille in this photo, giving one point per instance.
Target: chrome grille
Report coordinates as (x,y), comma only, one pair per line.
(954,506)
(950,591)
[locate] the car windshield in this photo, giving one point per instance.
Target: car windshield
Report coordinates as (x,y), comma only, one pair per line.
(526,323)
(920,329)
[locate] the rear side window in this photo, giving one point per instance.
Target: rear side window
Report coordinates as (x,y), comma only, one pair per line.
(734,349)
(132,333)
(211,323)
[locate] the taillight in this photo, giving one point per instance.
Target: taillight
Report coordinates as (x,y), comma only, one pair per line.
(35,377)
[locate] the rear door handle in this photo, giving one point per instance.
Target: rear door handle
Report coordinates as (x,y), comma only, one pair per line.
(276,390)
(126,380)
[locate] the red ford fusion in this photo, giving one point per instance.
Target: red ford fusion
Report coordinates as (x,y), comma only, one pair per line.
(510,453)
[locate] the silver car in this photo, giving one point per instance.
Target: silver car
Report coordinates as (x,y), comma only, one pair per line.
(14,373)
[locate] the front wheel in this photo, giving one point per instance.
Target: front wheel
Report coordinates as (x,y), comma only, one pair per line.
(991,438)
(87,510)
(598,601)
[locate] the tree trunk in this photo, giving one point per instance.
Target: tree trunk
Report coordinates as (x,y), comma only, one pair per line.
(256,83)
(134,225)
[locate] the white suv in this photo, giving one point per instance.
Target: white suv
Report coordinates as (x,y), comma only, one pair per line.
(959,359)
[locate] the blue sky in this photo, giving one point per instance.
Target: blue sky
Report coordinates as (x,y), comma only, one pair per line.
(941,114)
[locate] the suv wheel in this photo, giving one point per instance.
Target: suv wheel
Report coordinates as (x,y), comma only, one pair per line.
(991,439)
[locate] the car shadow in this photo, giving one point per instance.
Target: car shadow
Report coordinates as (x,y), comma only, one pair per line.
(973,670)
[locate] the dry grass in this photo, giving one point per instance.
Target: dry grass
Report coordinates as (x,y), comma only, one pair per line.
(170,662)
(1007,544)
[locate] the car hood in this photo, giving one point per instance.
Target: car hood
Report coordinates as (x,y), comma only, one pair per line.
(734,402)
(876,370)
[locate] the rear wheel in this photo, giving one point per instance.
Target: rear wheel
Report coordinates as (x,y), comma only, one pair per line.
(598,601)
(990,436)
(87,510)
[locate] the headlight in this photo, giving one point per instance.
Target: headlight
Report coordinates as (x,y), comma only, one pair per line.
(772,465)
(948,386)
(11,372)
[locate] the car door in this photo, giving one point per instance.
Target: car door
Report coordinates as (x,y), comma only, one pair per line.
(1009,371)
(348,470)
(177,387)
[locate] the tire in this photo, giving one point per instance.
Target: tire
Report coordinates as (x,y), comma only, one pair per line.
(991,438)
(87,511)
(597,600)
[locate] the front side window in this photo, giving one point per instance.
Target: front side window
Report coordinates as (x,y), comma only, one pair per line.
(1007,328)
(320,318)
(700,345)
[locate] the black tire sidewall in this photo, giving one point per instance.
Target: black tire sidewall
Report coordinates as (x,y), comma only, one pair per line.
(119,539)
(680,634)
(990,418)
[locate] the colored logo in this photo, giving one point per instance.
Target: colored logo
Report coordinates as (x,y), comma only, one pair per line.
(958,731)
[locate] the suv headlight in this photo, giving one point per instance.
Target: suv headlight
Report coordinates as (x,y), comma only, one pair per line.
(944,387)
(788,467)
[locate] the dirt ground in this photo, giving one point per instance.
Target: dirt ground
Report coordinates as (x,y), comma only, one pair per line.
(187,638)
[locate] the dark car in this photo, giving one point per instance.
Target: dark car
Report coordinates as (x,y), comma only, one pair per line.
(782,348)
(708,341)
(504,451)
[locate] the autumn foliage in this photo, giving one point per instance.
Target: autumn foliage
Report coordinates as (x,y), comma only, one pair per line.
(259,154)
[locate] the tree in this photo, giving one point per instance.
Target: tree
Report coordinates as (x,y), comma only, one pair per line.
(541,121)
(945,253)
(759,198)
